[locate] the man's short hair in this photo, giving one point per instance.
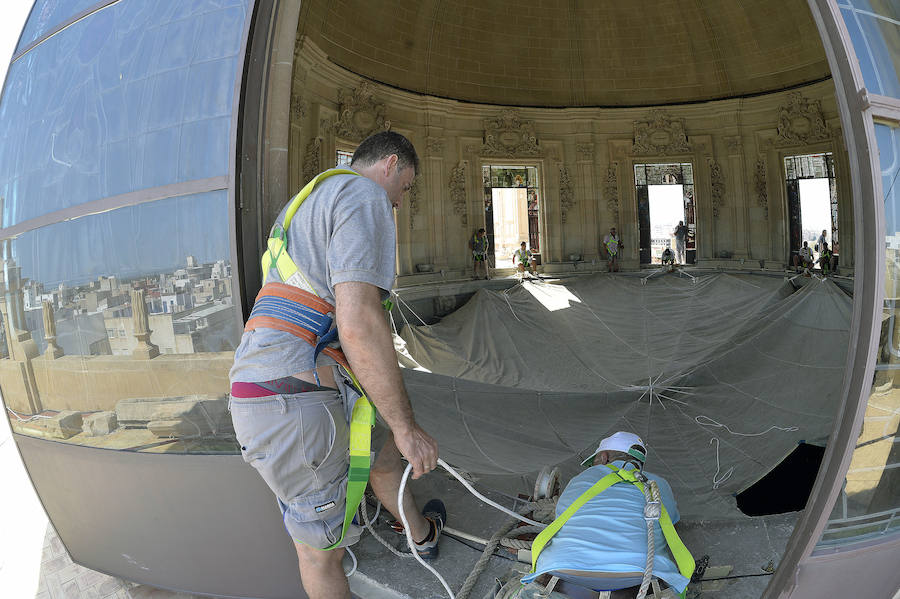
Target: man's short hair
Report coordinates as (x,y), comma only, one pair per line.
(481,230)
(383,144)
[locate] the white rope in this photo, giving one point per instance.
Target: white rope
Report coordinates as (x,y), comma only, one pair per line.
(717,480)
(407,306)
(355,563)
(712,423)
(406,529)
(652,512)
(29,419)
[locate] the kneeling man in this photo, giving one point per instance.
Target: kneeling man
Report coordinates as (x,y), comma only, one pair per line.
(601,543)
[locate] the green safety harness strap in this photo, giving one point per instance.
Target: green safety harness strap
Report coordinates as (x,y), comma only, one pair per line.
(363,416)
(681,554)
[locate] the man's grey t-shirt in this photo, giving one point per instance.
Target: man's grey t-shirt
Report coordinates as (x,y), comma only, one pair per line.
(344,231)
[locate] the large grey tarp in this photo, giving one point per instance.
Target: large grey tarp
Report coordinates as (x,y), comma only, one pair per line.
(722,376)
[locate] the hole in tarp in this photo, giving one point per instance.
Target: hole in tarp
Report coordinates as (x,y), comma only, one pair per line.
(787,487)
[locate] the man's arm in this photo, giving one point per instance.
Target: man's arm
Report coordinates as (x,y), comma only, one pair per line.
(366,341)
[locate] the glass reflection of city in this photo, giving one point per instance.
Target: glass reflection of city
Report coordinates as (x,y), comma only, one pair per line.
(70,350)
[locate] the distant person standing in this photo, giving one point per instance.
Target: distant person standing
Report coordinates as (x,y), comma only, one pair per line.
(613,244)
(479,247)
(680,238)
(822,241)
(523,258)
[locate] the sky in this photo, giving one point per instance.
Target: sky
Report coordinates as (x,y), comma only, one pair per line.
(12,17)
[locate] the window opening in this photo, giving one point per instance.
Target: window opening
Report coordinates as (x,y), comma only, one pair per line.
(812,203)
(343,158)
(665,197)
(511,211)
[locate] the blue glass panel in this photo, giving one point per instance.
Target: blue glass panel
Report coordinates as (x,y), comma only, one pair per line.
(46,15)
(138,94)
(86,270)
(869,504)
(874,29)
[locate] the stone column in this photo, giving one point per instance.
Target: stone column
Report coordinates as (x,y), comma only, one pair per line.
(53,350)
(144,350)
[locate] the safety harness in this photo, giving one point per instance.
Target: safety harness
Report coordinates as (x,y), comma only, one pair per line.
(294,307)
(682,556)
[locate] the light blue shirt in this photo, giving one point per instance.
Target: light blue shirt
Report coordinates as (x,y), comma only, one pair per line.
(608,536)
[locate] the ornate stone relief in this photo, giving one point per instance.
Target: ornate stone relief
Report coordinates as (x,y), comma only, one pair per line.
(612,190)
(312,159)
(458,192)
(761,184)
(434,146)
(566,193)
(801,122)
(413,200)
(717,182)
(299,108)
(585,151)
(660,134)
(359,114)
(734,144)
(508,135)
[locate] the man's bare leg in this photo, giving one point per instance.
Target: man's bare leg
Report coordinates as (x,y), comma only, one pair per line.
(385,478)
(322,573)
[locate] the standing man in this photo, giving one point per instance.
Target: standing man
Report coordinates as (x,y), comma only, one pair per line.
(523,258)
(289,403)
(612,244)
(680,236)
(479,245)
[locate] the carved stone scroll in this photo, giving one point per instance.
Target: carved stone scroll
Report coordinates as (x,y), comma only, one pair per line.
(434,146)
(717,182)
(413,199)
(612,190)
(508,135)
(660,134)
(359,114)
(585,151)
(566,193)
(458,192)
(801,121)
(761,184)
(312,160)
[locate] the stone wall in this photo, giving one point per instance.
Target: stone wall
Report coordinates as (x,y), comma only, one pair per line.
(742,211)
(95,383)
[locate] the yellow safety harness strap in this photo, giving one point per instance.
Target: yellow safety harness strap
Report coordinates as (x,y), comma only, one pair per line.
(276,252)
(272,315)
(682,556)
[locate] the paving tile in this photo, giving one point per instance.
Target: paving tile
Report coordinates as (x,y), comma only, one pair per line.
(70,589)
(91,578)
(68,573)
(53,565)
(109,586)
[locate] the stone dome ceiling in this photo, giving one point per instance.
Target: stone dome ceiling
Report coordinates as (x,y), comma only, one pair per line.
(572,52)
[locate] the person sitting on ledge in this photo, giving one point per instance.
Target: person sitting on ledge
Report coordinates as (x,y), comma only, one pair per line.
(804,258)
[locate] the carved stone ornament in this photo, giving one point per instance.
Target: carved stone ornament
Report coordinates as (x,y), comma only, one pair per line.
(359,115)
(761,184)
(734,144)
(660,134)
(801,122)
(566,193)
(508,135)
(612,191)
(312,160)
(585,151)
(458,192)
(299,108)
(434,146)
(413,201)
(717,182)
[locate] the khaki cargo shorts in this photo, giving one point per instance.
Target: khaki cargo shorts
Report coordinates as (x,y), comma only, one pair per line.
(300,445)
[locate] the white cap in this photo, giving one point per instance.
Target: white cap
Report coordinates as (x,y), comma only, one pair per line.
(621,441)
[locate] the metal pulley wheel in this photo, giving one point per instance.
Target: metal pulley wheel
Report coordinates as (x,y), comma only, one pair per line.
(547,483)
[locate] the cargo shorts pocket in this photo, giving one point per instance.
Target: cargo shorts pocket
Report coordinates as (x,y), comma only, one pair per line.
(316,519)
